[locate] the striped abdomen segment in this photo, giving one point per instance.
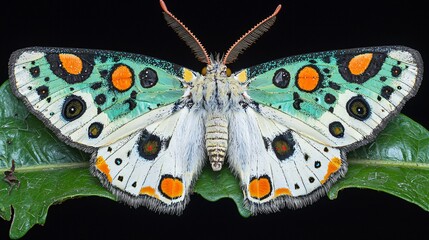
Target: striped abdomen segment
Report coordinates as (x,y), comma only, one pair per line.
(216,140)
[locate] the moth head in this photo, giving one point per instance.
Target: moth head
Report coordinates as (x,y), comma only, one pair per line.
(216,69)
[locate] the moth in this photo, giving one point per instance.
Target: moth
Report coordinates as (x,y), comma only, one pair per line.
(284,127)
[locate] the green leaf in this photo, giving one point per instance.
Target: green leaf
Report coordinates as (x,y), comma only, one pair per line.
(51,172)
(396,163)
(216,185)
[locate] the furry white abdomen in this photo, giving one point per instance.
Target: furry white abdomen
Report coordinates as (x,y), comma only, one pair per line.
(216,139)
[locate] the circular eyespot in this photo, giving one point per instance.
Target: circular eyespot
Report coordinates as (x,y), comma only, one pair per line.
(148,78)
(283,145)
(118,161)
(204,71)
(281,78)
(228,72)
(73,108)
(149,145)
(396,71)
(336,129)
(358,107)
(95,129)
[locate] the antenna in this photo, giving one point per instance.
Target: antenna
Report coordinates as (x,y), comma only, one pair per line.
(185,34)
(250,37)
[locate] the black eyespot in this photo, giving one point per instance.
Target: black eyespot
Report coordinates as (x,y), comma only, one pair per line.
(118,161)
(149,145)
(100,99)
(148,78)
(43,92)
(95,129)
(283,145)
(317,164)
(386,91)
(73,108)
(396,71)
(358,107)
(281,78)
(336,129)
(35,71)
(329,98)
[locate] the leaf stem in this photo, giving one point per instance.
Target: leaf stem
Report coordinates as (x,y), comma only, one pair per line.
(50,167)
(390,163)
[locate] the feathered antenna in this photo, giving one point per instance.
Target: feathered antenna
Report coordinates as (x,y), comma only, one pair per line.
(250,37)
(185,34)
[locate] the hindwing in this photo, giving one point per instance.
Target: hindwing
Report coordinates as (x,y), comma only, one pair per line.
(278,166)
(155,166)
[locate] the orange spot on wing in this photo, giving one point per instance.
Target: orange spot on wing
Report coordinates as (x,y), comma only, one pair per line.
(260,188)
(282,191)
(360,63)
(171,187)
(71,63)
(333,166)
(308,79)
(148,191)
(102,166)
(122,78)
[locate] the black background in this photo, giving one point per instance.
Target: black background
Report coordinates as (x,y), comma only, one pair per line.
(301,27)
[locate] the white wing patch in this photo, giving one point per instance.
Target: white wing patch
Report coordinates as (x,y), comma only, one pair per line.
(280,166)
(155,166)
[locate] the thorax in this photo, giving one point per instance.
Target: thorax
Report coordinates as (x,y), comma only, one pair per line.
(216,91)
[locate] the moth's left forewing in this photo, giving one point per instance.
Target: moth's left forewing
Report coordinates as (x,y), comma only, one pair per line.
(109,94)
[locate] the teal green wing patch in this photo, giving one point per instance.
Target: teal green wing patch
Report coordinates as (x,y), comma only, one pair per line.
(92,97)
(340,98)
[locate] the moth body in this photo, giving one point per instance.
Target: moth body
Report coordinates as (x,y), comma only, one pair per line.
(217,94)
